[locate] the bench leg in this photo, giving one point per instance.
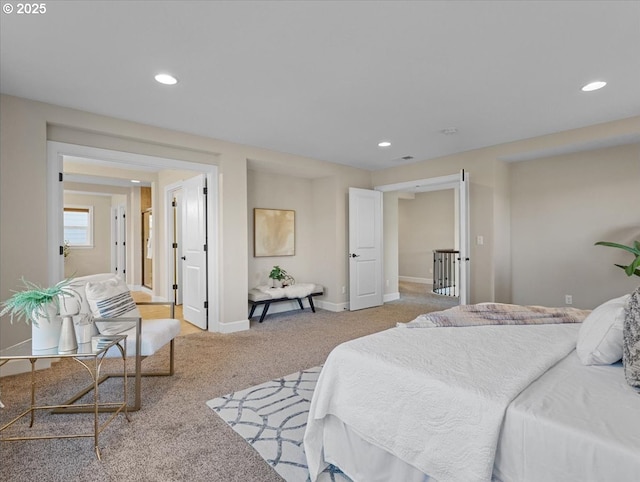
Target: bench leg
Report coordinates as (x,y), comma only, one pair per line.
(313,308)
(300,303)
(253,308)
(264,312)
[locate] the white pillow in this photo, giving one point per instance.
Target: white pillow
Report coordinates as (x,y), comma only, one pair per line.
(110,298)
(600,336)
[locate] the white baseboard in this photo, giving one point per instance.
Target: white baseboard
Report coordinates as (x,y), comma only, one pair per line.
(234,326)
(411,279)
(390,297)
(15,367)
(335,307)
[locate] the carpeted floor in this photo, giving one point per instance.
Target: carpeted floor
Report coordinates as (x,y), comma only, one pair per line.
(175,437)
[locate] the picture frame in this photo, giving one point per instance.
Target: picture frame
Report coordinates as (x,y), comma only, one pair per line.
(274,232)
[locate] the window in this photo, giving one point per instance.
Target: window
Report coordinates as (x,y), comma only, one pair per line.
(78,225)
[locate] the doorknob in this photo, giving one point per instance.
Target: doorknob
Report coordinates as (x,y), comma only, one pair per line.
(354,255)
(184,258)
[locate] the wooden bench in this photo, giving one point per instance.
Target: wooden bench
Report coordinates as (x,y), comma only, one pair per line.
(257,297)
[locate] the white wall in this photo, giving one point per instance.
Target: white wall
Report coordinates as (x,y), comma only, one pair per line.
(561,206)
(426,223)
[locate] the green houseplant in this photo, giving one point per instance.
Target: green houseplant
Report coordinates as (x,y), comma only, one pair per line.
(279,274)
(32,302)
(634,267)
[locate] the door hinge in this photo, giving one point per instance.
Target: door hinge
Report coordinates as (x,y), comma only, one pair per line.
(59,177)
(175,287)
(62,250)
(205,247)
(206,305)
(174,245)
(173,203)
(204,190)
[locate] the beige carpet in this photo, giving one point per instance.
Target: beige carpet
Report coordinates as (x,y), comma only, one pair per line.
(176,436)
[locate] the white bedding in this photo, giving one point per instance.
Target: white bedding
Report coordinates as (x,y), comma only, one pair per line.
(574,424)
(438,397)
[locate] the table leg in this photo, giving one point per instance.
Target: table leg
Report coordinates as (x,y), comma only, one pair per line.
(264,311)
(33,390)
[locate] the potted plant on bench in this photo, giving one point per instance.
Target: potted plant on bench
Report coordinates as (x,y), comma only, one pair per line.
(280,277)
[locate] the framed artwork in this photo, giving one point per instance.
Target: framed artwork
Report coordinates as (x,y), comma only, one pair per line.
(274,232)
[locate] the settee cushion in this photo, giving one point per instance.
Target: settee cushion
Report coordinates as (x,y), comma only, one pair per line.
(155,334)
(257,294)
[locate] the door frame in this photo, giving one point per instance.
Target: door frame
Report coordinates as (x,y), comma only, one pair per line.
(462,202)
(55,153)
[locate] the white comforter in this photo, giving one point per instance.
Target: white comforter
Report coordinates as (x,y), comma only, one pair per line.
(440,411)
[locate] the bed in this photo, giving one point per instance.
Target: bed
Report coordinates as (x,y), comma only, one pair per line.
(494,399)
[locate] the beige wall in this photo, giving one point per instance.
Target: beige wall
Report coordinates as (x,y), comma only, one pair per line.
(95,259)
(390,243)
(425,223)
(561,206)
(25,126)
(275,191)
(23,174)
(490,197)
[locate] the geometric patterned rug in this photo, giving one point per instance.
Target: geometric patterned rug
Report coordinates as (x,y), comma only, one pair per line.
(272,417)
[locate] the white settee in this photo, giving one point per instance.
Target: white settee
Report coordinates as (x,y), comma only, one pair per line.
(144,337)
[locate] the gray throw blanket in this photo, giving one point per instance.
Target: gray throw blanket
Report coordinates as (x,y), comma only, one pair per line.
(497,314)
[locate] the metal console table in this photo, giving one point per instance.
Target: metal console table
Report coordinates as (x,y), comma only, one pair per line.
(88,358)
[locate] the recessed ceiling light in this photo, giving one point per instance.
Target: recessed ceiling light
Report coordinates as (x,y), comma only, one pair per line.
(166,79)
(594,86)
(384,144)
(449,131)
(135,181)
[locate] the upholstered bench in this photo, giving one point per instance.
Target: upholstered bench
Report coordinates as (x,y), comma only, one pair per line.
(260,297)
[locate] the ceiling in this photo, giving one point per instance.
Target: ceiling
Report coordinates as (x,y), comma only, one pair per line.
(329,80)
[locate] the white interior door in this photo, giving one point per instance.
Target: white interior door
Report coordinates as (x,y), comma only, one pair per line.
(194,251)
(463,237)
(119,241)
(177,242)
(365,248)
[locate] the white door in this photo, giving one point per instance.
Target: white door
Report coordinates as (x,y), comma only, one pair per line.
(175,229)
(194,251)
(463,233)
(365,248)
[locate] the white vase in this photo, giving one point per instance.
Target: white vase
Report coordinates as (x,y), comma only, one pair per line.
(69,307)
(46,334)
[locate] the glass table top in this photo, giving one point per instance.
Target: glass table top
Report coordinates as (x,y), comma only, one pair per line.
(25,350)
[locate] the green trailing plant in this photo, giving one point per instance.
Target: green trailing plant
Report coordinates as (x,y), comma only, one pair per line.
(32,302)
(634,267)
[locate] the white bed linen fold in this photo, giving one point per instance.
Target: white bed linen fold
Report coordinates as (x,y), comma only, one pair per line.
(576,423)
(440,411)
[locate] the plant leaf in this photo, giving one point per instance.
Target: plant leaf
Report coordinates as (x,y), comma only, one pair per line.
(633,250)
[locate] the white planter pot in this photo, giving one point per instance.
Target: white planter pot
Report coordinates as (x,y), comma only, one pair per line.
(46,335)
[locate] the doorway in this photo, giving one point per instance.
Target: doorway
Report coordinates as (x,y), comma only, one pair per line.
(56,151)
(460,184)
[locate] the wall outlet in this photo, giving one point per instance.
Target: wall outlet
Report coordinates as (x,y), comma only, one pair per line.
(387,283)
(479,240)
(344,290)
(568,299)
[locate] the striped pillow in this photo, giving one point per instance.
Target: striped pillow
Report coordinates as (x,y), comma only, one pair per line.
(111,298)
